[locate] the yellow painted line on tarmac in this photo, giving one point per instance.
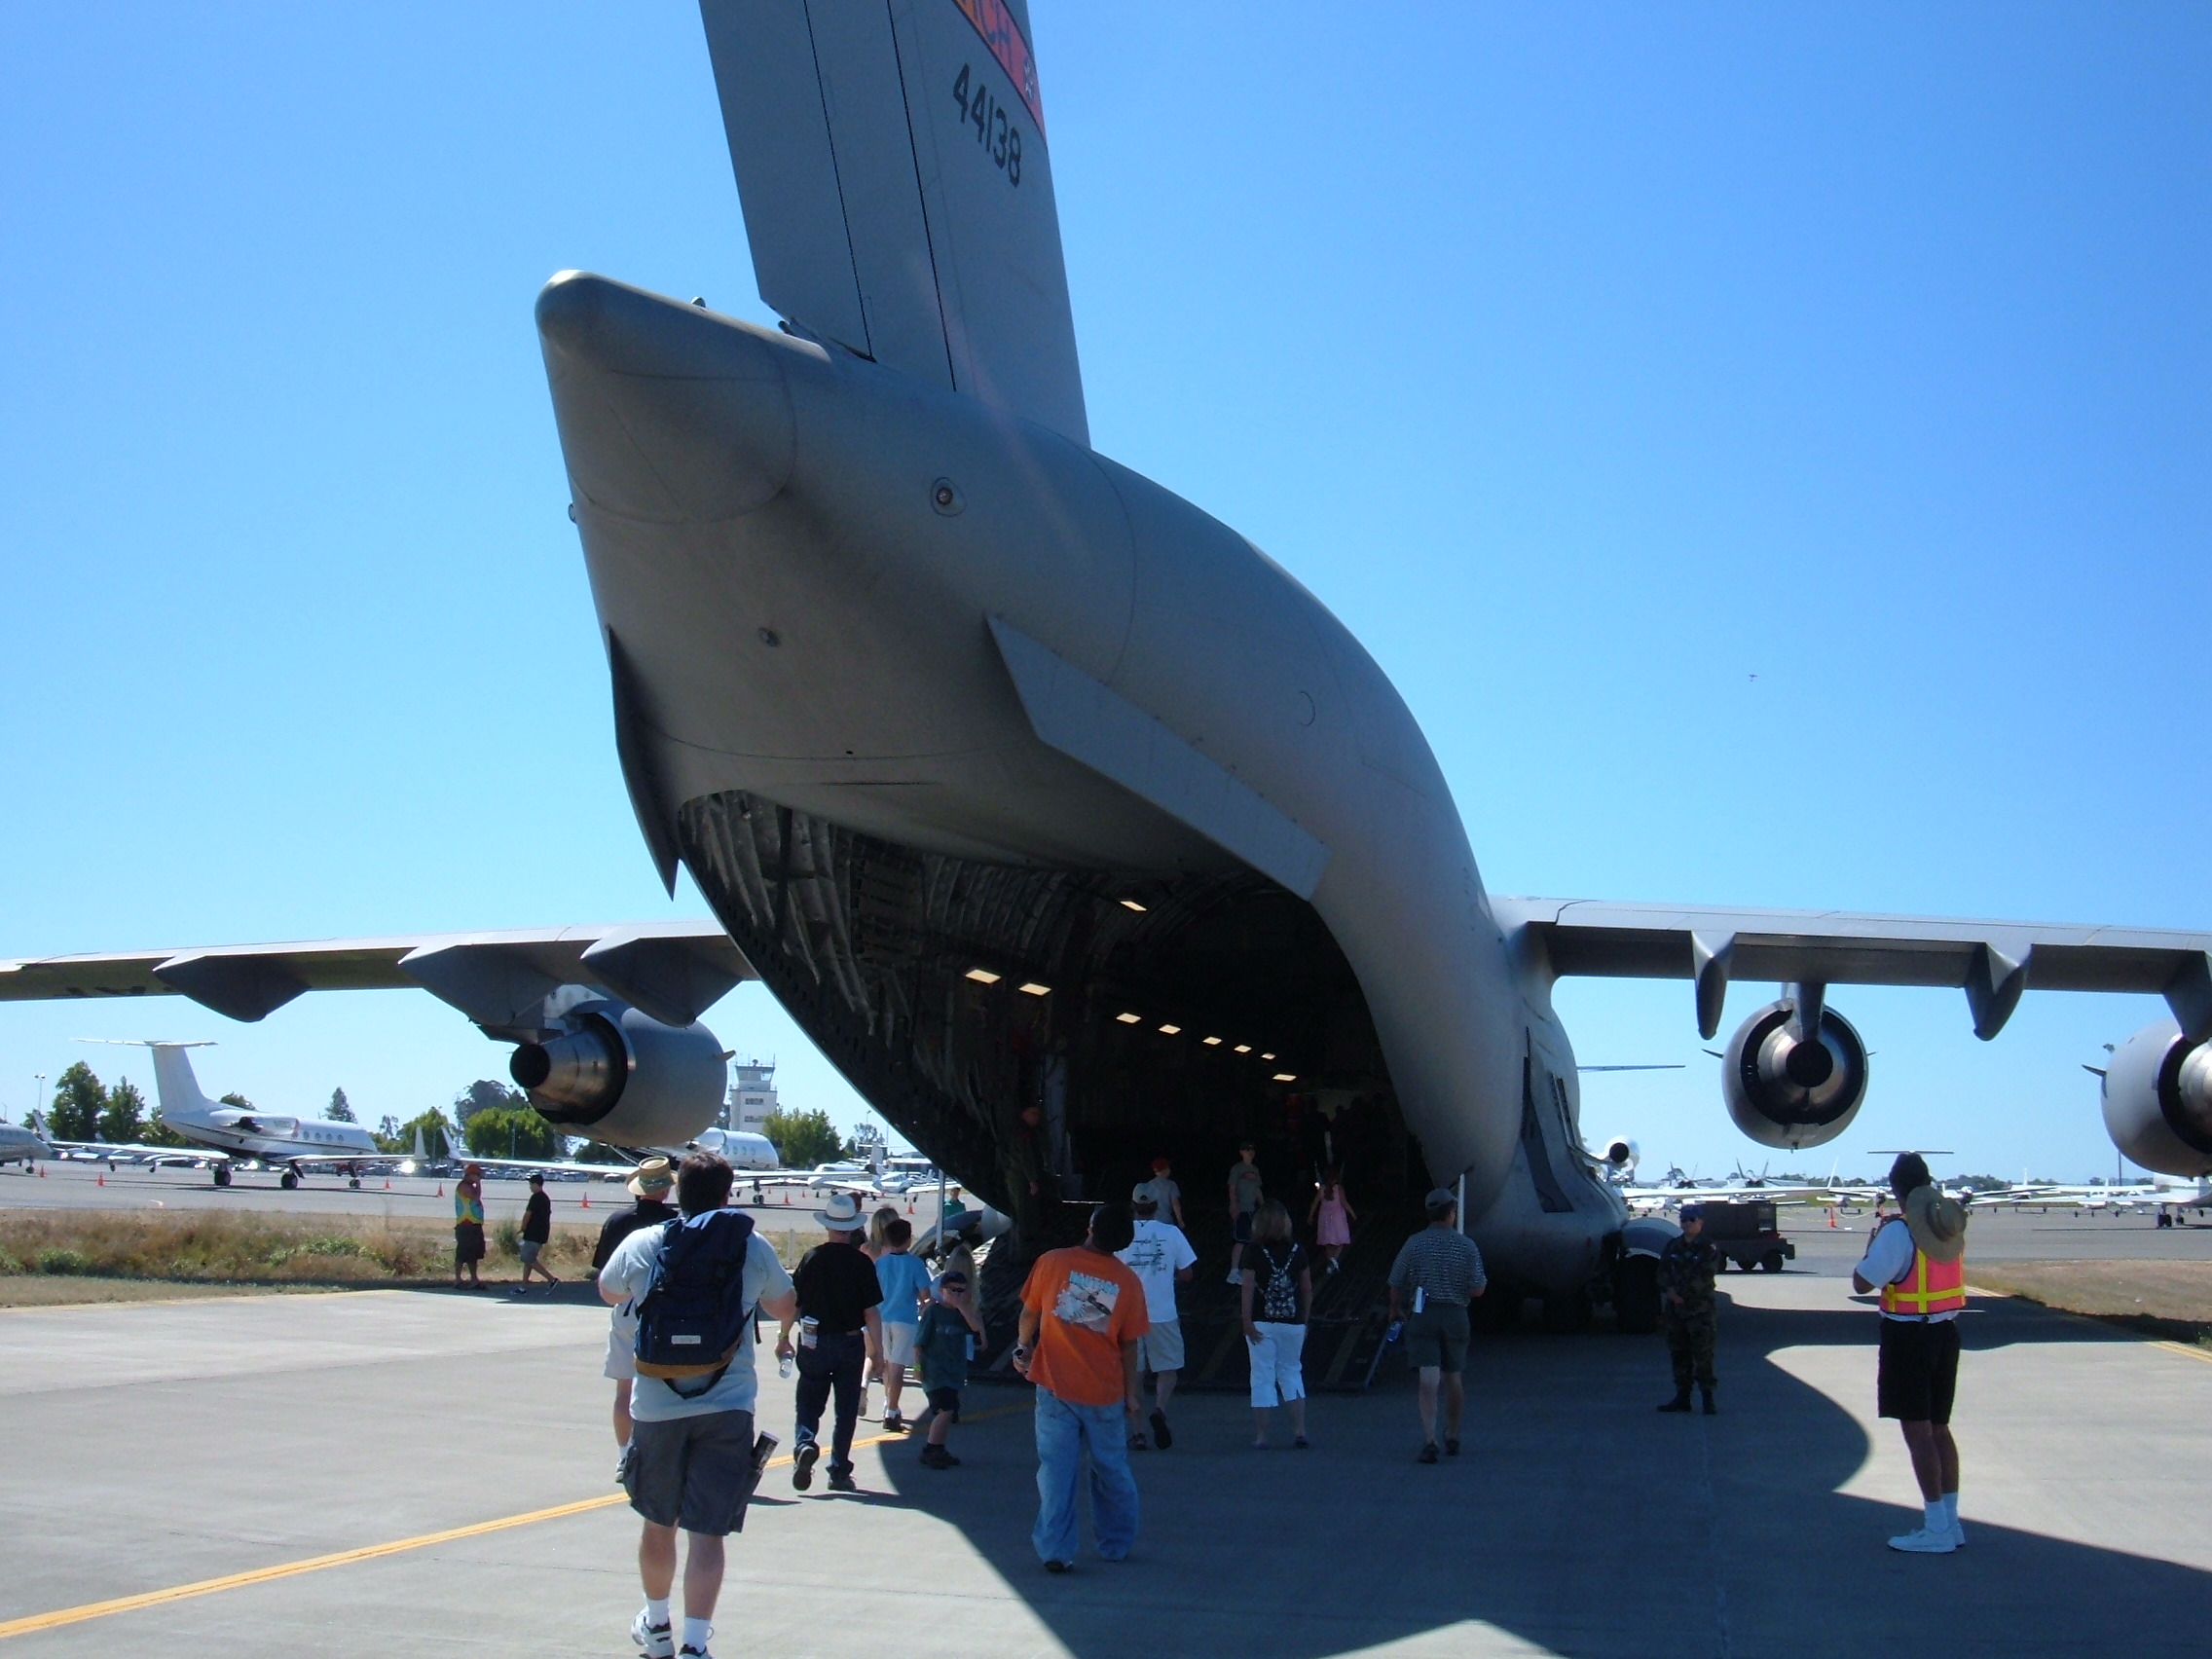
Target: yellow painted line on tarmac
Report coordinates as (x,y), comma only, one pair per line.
(61,1616)
(2185,1351)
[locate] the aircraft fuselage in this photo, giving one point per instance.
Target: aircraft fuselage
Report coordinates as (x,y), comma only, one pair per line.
(1019,778)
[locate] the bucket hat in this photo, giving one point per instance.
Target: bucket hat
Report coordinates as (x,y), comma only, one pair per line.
(1939,1224)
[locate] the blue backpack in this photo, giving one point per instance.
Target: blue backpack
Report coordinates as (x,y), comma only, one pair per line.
(693,1316)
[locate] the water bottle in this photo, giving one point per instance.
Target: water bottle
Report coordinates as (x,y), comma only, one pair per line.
(784,1367)
(1396,1329)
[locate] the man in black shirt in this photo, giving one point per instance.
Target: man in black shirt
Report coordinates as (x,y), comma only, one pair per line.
(650,1185)
(537,1234)
(840,1335)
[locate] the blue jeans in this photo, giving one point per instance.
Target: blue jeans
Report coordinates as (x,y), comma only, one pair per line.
(1064,1432)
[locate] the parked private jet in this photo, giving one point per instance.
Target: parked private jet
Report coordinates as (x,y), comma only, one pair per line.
(229,1134)
(24,1146)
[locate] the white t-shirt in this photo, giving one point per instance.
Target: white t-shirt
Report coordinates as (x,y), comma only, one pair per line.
(1155,1255)
(1889,1261)
(629,1271)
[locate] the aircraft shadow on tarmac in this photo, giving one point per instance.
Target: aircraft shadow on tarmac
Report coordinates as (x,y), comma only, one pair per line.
(1578,1520)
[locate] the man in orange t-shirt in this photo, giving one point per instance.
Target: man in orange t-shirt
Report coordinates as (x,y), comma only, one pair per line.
(1081,1316)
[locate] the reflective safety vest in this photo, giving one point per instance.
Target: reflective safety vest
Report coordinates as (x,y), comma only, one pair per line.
(1931,1287)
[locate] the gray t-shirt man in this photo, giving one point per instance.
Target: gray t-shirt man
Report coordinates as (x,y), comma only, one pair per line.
(629,1272)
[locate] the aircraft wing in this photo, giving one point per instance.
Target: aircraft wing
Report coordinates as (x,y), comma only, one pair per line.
(543,1165)
(1992,961)
(121,1149)
(671,971)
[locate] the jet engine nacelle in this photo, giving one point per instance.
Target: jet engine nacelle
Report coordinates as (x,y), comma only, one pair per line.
(1618,1156)
(1787,1092)
(624,1077)
(2157,1098)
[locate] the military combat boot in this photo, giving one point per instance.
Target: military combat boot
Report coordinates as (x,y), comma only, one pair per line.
(1679,1403)
(1710,1410)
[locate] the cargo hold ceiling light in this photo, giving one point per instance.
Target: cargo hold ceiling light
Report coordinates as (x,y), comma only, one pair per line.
(1266,1056)
(1128,1018)
(1132,905)
(1286,1077)
(1033,988)
(1212,1042)
(982,976)
(1169,1030)
(1243,1048)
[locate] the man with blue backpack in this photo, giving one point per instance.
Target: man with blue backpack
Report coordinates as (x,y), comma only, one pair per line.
(698,1282)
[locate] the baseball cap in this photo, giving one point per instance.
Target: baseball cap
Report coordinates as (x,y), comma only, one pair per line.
(1440,1199)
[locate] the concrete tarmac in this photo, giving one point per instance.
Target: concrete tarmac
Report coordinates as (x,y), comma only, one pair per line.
(155,1446)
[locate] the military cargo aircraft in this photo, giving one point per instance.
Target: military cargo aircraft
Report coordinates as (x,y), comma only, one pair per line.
(1065,821)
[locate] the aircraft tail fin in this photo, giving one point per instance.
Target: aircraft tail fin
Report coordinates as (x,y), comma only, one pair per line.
(175,1089)
(898,191)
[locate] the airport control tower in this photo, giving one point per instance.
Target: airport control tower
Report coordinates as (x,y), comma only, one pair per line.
(752,1098)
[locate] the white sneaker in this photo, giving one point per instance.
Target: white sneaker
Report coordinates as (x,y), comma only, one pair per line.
(655,1641)
(1921,1541)
(687,1651)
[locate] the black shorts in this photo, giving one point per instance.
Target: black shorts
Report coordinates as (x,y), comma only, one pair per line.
(945,1400)
(467,1241)
(694,1472)
(1437,1338)
(1919,1370)
(1240,1229)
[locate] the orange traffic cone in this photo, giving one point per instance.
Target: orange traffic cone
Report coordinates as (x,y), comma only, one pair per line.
(102,1181)
(441,1188)
(587,1200)
(1831,1218)
(387,1184)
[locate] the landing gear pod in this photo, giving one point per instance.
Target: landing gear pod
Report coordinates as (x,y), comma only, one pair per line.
(1786,1089)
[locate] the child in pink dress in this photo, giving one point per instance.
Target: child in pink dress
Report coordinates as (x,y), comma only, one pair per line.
(1331,1217)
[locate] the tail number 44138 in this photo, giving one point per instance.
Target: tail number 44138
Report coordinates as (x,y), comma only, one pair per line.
(999,137)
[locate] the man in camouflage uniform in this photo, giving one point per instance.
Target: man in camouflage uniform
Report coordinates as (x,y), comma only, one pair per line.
(1686,1289)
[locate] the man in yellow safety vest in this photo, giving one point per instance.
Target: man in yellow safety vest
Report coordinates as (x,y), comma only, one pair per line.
(1917,1260)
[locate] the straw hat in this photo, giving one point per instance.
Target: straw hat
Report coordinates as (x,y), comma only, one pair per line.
(1939,1224)
(654,1179)
(842,1214)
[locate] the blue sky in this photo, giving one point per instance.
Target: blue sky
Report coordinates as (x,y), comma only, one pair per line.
(1588,361)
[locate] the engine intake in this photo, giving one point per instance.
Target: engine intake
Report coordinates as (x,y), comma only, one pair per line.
(1785,1088)
(2157,1100)
(624,1076)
